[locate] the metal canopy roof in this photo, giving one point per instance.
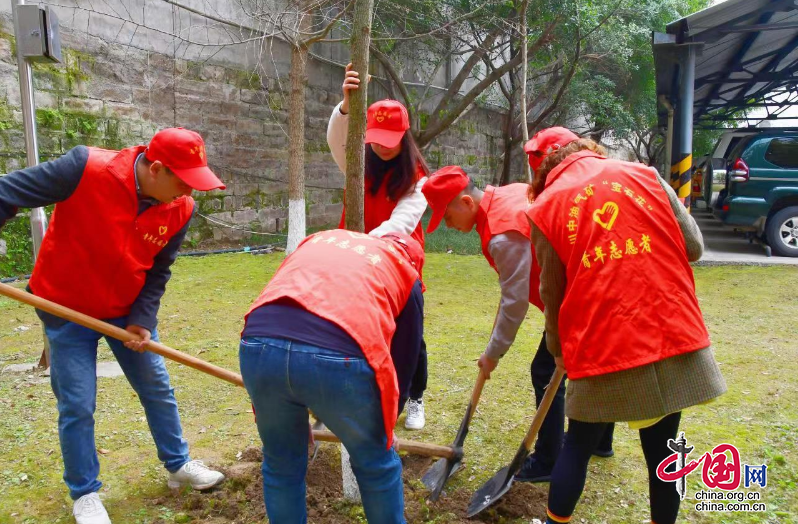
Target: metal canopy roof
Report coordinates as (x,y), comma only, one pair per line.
(748,57)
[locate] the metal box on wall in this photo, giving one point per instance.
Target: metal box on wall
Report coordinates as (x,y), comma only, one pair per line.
(38,38)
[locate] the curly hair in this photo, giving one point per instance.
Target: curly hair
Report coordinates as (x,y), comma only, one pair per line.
(554,159)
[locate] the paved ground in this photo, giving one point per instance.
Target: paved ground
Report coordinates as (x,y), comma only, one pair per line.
(723,245)
(104,369)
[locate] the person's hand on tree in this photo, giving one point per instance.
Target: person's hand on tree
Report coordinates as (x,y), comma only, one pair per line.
(143,333)
(487,365)
(351,82)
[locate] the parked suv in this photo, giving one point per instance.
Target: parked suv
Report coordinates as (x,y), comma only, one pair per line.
(713,169)
(761,193)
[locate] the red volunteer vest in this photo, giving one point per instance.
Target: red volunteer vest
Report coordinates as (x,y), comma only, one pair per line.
(361,284)
(379,207)
(97,249)
(503,209)
(630,297)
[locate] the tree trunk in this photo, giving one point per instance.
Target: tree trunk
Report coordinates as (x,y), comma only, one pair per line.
(508,144)
(524,67)
(355,148)
(296,147)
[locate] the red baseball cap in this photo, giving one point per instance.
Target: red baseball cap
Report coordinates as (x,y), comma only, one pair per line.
(550,138)
(386,123)
(409,246)
(183,152)
(440,189)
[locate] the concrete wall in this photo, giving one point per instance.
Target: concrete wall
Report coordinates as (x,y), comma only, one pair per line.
(120,83)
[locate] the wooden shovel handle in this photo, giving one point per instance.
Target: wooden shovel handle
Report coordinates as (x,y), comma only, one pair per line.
(475,394)
(118,333)
(543,409)
(418,448)
(411,446)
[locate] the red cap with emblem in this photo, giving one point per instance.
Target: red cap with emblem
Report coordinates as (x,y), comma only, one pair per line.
(550,138)
(440,189)
(386,123)
(183,152)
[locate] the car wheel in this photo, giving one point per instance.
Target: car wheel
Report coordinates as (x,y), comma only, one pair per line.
(782,232)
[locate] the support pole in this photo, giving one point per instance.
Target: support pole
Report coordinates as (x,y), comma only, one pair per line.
(682,161)
(668,135)
(38,219)
(673,161)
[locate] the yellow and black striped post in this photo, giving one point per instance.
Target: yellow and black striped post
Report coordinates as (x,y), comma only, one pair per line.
(682,176)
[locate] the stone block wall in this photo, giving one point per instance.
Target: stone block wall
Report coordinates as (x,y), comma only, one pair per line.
(115,96)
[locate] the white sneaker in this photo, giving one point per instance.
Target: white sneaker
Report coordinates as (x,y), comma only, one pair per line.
(196,474)
(89,509)
(415,414)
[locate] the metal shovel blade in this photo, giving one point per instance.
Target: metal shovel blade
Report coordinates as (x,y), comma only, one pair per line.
(493,489)
(490,492)
(435,478)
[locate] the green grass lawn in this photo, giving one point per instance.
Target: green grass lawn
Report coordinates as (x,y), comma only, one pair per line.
(750,312)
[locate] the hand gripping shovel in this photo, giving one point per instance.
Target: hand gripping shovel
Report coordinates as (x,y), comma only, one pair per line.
(497,486)
(435,478)
(418,448)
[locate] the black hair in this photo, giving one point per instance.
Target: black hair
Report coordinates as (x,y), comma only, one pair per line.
(402,169)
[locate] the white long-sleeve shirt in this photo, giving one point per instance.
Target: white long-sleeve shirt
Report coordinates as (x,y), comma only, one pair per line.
(409,209)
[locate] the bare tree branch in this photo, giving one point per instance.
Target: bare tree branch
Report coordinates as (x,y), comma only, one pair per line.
(566,82)
(432,32)
(320,35)
(439,123)
(394,75)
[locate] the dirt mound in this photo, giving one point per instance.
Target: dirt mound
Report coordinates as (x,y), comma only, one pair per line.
(240,499)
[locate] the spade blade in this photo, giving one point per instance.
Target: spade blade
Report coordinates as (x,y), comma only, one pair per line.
(436,477)
(441,471)
(490,492)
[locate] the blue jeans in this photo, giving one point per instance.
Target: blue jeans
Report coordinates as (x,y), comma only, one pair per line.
(284,379)
(73,376)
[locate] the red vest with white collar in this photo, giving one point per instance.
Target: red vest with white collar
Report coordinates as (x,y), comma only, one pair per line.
(97,250)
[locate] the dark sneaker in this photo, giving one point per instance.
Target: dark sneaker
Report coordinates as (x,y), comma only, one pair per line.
(534,471)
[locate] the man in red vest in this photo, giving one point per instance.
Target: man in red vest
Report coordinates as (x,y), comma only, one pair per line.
(119,220)
(337,330)
(498,214)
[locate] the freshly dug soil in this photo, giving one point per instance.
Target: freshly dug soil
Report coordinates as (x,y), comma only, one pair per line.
(240,499)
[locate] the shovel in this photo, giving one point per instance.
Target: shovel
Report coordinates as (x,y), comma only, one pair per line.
(497,486)
(435,478)
(119,333)
(419,448)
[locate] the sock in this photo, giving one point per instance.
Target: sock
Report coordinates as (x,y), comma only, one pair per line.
(551,518)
